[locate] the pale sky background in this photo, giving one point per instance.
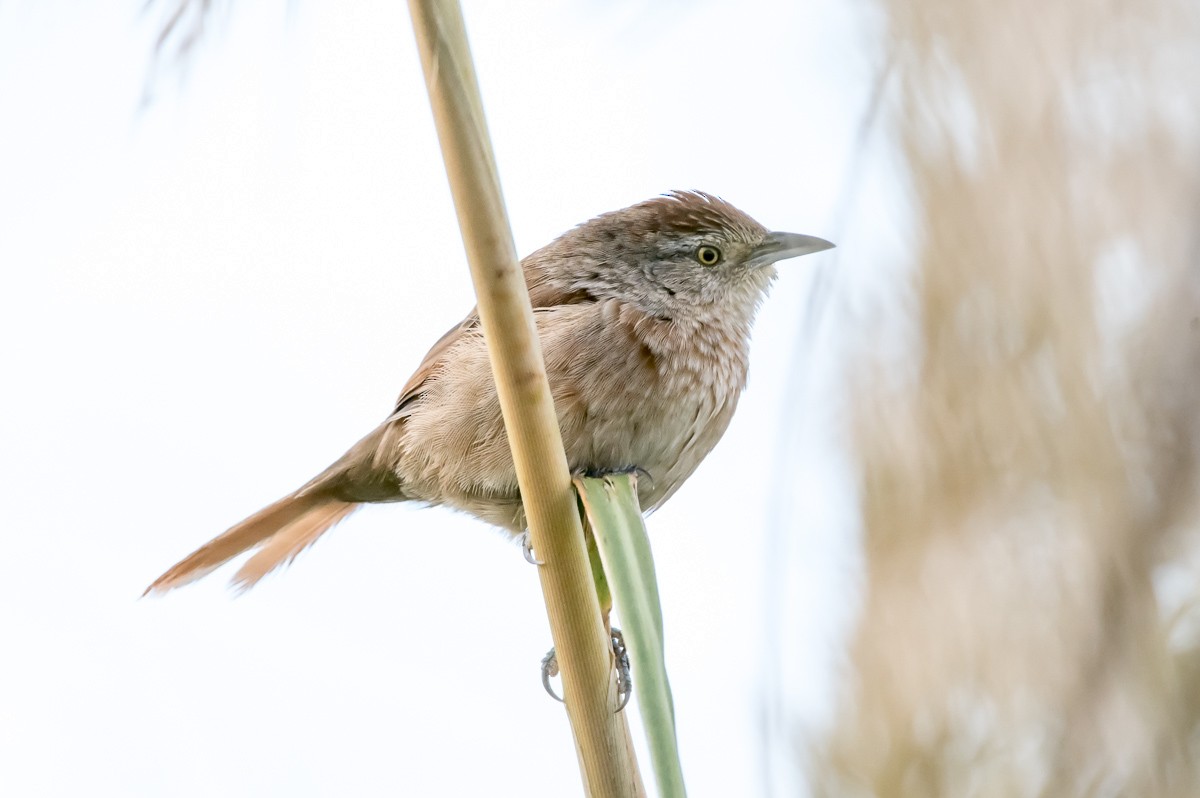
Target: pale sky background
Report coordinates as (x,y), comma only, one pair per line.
(207,300)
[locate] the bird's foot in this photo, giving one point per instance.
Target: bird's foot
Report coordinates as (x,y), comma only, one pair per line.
(638,472)
(549,671)
(624,674)
(621,658)
(527,549)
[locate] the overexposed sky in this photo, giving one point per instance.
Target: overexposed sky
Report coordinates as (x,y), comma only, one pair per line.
(207,299)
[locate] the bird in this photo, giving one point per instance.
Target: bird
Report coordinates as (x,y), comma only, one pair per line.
(644,317)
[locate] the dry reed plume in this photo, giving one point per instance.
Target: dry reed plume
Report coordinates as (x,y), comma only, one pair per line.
(1028,484)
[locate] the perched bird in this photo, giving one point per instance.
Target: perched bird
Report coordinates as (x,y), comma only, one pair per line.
(644,317)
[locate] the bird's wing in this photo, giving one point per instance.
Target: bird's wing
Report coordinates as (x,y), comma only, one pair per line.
(543,294)
(433,359)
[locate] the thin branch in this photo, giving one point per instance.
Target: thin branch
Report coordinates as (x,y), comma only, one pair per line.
(583,647)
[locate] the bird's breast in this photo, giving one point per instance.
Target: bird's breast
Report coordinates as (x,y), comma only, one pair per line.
(646,393)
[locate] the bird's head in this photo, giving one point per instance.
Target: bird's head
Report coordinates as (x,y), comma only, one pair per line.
(681,255)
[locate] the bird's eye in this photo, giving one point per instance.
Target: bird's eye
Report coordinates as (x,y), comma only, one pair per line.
(708,256)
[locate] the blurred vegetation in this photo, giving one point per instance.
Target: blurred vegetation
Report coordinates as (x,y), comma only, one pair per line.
(1028,478)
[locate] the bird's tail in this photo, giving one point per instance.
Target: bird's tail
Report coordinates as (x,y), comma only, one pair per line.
(280,532)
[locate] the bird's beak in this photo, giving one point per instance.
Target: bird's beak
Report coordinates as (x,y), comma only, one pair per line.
(781,246)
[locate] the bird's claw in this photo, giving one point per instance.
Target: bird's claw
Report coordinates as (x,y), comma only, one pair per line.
(550,669)
(527,549)
(624,676)
(638,473)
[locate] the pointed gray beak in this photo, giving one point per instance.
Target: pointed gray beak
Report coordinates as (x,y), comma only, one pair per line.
(781,246)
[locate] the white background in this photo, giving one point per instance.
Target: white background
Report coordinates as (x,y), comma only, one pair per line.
(207,299)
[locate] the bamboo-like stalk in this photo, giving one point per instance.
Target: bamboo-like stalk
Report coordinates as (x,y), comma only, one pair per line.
(583,647)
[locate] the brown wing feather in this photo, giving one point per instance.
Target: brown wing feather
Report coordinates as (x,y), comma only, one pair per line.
(433,358)
(542,294)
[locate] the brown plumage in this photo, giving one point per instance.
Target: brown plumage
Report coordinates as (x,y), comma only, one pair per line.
(644,317)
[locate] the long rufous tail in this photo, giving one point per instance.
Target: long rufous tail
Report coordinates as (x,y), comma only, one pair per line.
(280,532)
